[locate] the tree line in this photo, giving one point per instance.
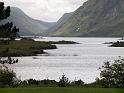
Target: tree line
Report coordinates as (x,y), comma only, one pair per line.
(111,76)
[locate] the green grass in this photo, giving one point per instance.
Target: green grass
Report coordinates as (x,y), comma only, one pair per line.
(60,90)
(28,47)
(24,47)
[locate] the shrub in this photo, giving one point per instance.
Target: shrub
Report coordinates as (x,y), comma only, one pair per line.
(7,77)
(64,81)
(112,75)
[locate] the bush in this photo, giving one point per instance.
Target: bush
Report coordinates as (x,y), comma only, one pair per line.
(27,39)
(79,83)
(8,60)
(112,75)
(64,81)
(7,77)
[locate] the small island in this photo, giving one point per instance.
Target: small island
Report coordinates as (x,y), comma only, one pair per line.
(108,43)
(23,47)
(28,47)
(61,42)
(118,44)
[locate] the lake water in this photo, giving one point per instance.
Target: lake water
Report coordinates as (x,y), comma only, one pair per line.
(76,61)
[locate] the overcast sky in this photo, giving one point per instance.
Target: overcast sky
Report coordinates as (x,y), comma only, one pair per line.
(46,10)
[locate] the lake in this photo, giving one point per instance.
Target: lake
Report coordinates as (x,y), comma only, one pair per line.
(76,61)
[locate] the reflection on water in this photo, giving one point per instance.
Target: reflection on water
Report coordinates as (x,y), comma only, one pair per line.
(76,61)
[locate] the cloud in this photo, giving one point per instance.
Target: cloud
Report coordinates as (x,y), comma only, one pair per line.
(47,10)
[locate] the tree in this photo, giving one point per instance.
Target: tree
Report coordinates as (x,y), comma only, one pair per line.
(7,77)
(4,12)
(7,30)
(64,81)
(8,60)
(79,82)
(112,75)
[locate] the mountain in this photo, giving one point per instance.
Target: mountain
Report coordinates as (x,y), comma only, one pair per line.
(59,23)
(27,25)
(95,18)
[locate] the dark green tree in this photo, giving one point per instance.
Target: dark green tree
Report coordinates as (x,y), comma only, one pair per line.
(4,12)
(7,30)
(64,81)
(8,60)
(7,77)
(112,75)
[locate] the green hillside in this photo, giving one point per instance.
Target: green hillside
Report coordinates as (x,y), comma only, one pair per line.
(95,18)
(59,23)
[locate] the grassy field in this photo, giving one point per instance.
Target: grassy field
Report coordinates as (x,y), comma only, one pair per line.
(60,90)
(24,47)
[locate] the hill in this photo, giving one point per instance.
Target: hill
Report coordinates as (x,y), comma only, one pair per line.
(59,23)
(95,18)
(27,25)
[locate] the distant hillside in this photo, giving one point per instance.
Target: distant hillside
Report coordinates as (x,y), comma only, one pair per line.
(59,23)
(96,18)
(27,25)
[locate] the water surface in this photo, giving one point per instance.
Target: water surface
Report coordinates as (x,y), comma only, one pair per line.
(76,61)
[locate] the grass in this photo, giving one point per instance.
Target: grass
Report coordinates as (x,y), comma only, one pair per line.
(60,90)
(24,47)
(28,47)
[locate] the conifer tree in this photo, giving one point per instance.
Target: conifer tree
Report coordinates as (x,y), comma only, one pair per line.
(7,30)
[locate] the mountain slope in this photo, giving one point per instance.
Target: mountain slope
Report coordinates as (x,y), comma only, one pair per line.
(95,18)
(27,25)
(59,23)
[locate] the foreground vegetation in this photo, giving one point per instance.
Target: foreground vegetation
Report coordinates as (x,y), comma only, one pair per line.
(111,76)
(24,47)
(60,90)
